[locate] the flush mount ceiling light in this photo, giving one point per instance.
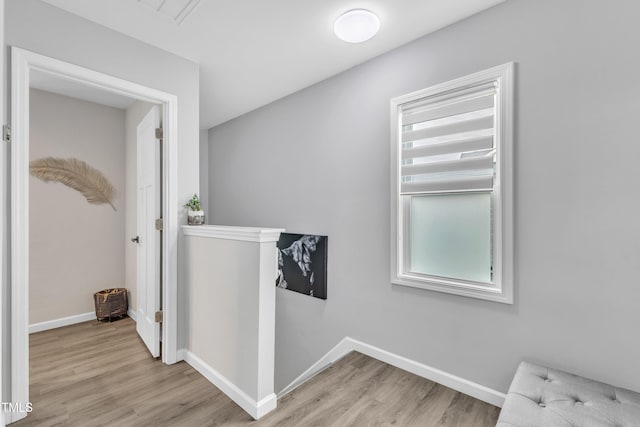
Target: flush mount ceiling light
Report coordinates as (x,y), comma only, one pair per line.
(356,26)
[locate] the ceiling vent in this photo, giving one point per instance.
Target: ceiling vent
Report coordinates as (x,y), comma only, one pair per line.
(177,10)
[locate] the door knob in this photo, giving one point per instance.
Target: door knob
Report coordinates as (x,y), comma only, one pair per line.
(135,239)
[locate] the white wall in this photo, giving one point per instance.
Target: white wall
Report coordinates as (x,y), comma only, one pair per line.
(232,311)
(318,162)
(133,115)
(39,27)
(75,248)
(218,334)
(42,28)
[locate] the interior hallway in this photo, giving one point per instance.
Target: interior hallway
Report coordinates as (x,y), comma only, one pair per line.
(100,374)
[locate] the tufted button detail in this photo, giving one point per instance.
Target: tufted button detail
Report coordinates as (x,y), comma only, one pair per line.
(565,393)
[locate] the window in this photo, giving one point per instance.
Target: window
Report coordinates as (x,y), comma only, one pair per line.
(451,168)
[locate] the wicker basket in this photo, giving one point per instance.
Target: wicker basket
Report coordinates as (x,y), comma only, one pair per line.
(111,303)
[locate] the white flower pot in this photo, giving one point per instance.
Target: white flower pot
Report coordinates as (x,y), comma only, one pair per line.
(195,217)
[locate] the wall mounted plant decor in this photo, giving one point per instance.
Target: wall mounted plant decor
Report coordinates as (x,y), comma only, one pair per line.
(74,173)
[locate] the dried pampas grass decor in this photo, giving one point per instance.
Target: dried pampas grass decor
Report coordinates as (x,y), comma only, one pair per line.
(74,173)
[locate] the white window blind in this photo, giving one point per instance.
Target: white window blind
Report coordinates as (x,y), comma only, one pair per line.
(448,143)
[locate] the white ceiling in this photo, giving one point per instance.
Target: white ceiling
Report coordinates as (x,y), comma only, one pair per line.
(52,83)
(252,52)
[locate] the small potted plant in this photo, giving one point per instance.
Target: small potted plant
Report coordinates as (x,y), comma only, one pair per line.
(195,214)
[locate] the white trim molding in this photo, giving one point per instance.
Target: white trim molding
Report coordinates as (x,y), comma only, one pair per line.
(182,354)
(22,63)
(348,345)
(64,321)
(132,314)
(19,230)
(246,234)
(256,409)
(3,208)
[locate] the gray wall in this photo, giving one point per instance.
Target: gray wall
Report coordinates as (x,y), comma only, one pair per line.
(204,173)
(39,27)
(75,248)
(318,162)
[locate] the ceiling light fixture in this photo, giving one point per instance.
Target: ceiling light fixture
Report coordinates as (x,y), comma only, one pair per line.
(356,26)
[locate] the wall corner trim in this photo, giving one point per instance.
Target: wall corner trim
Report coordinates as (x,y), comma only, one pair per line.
(64,321)
(132,314)
(348,345)
(253,408)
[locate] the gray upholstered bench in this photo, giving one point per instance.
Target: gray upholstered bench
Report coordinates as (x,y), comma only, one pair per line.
(547,397)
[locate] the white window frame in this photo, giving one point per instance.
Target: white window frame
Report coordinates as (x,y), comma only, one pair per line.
(501,287)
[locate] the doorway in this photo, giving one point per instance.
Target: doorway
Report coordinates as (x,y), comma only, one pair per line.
(24,63)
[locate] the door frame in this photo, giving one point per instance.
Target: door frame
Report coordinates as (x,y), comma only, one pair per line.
(3,183)
(22,62)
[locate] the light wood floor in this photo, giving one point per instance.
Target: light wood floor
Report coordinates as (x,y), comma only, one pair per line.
(100,374)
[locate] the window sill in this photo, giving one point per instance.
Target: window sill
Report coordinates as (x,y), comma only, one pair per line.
(484,292)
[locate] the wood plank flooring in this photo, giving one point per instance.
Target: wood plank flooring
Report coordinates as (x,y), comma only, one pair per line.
(100,374)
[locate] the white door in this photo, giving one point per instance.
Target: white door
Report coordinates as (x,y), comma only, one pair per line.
(149,243)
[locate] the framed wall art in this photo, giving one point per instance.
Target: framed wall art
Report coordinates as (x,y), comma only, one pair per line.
(302,264)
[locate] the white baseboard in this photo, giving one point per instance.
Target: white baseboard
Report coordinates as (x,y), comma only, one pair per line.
(436,375)
(132,314)
(454,382)
(58,323)
(181,354)
(253,408)
(12,417)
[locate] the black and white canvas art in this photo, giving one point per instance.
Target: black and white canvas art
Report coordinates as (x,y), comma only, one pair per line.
(302,264)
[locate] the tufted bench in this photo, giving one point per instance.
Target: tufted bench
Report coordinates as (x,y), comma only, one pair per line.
(546,397)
